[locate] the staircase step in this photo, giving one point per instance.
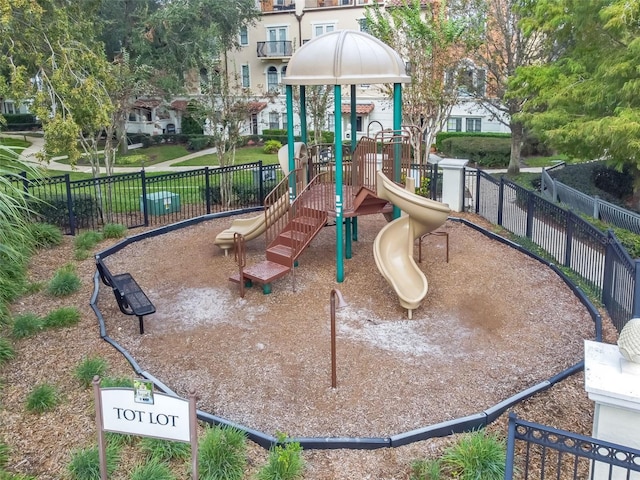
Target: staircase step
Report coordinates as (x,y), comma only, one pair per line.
(281,254)
(262,273)
(291,236)
(307,221)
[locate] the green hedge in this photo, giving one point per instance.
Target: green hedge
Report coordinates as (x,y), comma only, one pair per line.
(278,134)
(21,121)
(441,136)
(55,212)
(484,151)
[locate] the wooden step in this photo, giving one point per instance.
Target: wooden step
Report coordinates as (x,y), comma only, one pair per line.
(306,222)
(263,273)
(281,254)
(290,236)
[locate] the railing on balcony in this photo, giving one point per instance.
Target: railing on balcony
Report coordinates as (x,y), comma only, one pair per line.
(282,48)
(277,5)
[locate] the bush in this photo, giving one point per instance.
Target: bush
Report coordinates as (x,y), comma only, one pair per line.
(484,151)
(62,317)
(278,134)
(45,235)
(89,368)
(284,463)
(114,230)
(152,470)
(618,184)
(6,350)
(190,127)
(26,325)
(55,210)
(199,142)
(121,382)
(476,455)
(271,146)
(85,463)
(64,282)
(43,398)
(87,240)
(425,470)
(442,136)
(222,453)
(165,450)
(246,194)
(215,197)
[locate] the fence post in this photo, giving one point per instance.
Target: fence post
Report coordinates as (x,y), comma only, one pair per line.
(207,190)
(569,238)
(530,205)
(261,183)
(145,212)
(72,217)
(511,443)
(500,200)
(477,199)
(554,191)
(607,277)
(635,312)
(25,182)
(596,207)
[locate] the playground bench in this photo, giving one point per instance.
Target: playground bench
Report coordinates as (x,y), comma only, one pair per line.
(129,296)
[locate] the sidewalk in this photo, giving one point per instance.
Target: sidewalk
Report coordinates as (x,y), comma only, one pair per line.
(37,144)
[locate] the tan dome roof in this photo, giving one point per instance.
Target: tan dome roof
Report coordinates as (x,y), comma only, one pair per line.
(345,57)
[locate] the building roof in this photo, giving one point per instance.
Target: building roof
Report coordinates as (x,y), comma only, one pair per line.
(361,109)
(345,57)
(180,105)
(147,103)
(255,107)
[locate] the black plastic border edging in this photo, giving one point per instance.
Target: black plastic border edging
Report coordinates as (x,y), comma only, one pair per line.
(449,427)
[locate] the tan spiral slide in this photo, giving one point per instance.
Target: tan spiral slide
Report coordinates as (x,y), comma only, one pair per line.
(393,246)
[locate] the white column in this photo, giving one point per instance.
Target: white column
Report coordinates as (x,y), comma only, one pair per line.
(453,182)
(613,383)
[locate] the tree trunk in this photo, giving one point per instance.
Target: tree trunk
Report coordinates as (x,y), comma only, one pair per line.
(517,137)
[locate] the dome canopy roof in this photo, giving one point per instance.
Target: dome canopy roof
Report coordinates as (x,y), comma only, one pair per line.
(345,57)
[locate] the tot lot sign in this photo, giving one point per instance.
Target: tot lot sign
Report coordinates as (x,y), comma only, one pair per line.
(141,411)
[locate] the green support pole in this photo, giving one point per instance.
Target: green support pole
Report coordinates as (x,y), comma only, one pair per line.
(397,125)
(290,143)
(354,119)
(303,114)
(338,144)
(354,230)
(347,236)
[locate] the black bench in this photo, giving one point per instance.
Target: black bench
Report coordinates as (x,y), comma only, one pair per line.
(130,297)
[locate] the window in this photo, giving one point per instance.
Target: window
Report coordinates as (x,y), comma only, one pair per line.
(274,120)
(254,124)
(474,125)
(272,79)
(285,125)
(321,28)
(364,26)
(454,124)
(277,40)
(244,36)
(358,123)
(331,122)
(246,79)
(283,72)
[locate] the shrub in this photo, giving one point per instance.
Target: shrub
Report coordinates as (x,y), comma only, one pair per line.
(89,368)
(64,282)
(476,455)
(425,470)
(165,450)
(55,210)
(4,455)
(26,325)
(190,127)
(246,194)
(114,230)
(6,350)
(215,197)
(199,142)
(87,240)
(85,463)
(43,398)
(121,382)
(284,463)
(618,184)
(81,254)
(45,235)
(222,453)
(484,151)
(154,469)
(271,146)
(62,317)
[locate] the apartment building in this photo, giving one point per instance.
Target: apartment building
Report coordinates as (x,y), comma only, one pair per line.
(286,25)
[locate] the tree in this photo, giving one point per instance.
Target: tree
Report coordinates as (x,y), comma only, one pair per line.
(585,101)
(431,37)
(506,46)
(318,99)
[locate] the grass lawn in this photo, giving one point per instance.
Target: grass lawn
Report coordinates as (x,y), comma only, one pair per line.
(545,161)
(243,155)
(14,142)
(142,157)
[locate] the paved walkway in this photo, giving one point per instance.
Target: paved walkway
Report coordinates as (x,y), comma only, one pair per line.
(37,144)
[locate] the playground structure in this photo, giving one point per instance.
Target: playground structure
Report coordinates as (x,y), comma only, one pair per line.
(312,192)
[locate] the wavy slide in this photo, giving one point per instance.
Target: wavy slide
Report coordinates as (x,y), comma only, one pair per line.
(253,227)
(393,247)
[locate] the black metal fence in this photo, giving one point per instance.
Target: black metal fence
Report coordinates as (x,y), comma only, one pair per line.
(535,451)
(597,258)
(142,199)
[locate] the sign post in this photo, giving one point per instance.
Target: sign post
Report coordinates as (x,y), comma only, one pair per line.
(140,411)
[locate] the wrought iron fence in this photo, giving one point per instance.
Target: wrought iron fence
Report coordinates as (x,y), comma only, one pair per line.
(597,258)
(535,451)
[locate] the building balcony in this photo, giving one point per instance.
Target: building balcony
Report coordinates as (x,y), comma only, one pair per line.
(336,3)
(277,5)
(278,49)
